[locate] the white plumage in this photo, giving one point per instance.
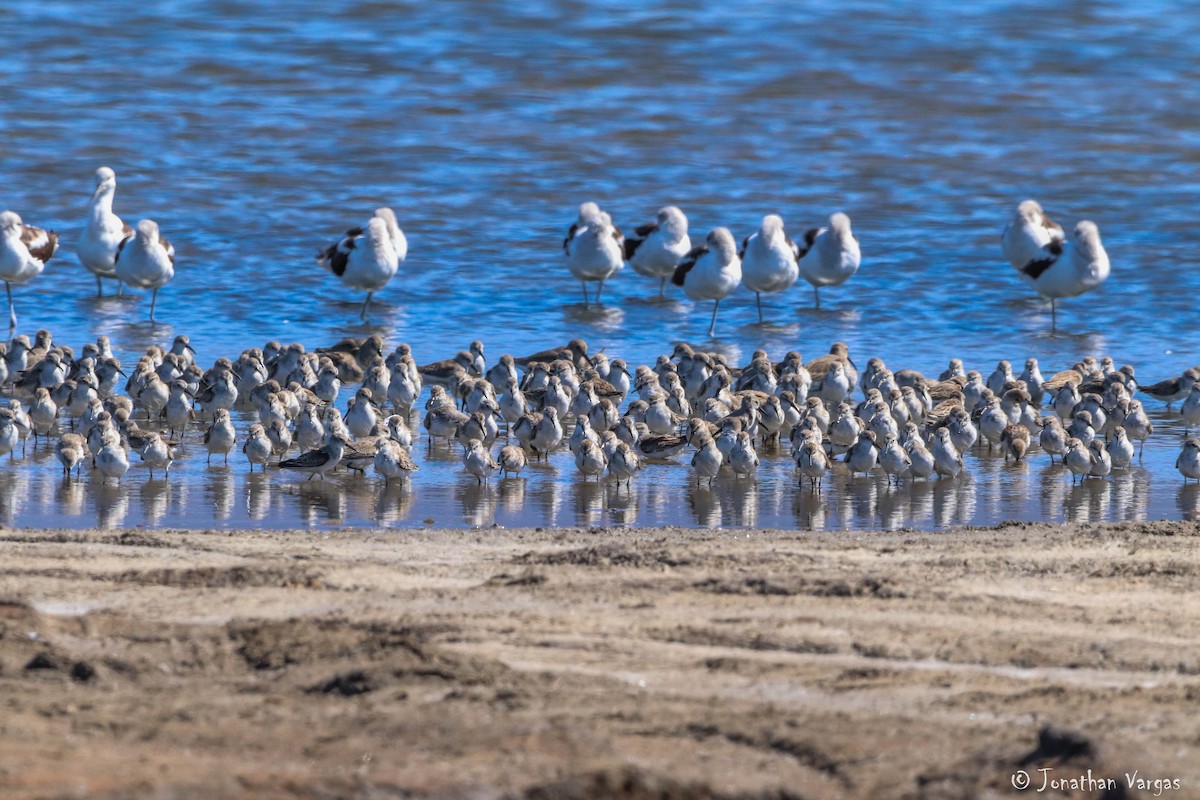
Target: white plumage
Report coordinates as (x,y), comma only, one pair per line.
(146,260)
(656,249)
(24,251)
(1068,269)
(829,256)
(1029,231)
(367,258)
(101,239)
(769,260)
(594,248)
(711,271)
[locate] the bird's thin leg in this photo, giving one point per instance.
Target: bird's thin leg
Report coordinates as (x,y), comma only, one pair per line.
(599,289)
(120,288)
(12,312)
(712,327)
(153,303)
(99,287)
(758,298)
(366,307)
(585,295)
(817,296)
(1053,315)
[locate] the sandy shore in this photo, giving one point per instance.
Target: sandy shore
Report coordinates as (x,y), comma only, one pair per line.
(574,663)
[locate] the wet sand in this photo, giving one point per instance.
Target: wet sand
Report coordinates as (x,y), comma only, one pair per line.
(614,662)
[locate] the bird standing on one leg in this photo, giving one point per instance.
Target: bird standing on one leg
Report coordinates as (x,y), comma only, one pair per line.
(769,260)
(146,260)
(101,239)
(594,248)
(711,271)
(24,251)
(367,258)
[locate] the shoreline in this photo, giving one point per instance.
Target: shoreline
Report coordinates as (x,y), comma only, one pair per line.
(629,662)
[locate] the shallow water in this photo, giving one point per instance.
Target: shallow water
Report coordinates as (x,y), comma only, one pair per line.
(256,134)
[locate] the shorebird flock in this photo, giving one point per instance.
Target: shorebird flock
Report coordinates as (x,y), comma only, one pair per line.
(690,408)
(768,261)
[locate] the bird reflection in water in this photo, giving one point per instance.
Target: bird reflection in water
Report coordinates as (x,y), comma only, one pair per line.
(14,489)
(704,503)
(622,503)
(219,487)
(259,491)
(1087,501)
(954,501)
(70,495)
(512,494)
(478,503)
(112,503)
(1188,501)
(320,502)
(810,510)
(587,502)
(153,495)
(743,502)
(395,502)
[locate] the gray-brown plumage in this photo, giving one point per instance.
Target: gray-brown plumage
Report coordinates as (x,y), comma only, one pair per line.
(1015,441)
(839,352)
(577,349)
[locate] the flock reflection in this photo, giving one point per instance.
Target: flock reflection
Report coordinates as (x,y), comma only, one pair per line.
(554,494)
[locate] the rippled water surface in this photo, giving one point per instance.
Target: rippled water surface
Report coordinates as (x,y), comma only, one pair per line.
(254,133)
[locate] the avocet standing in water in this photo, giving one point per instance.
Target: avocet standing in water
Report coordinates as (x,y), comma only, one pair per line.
(769,260)
(97,248)
(146,260)
(829,256)
(366,259)
(1068,269)
(24,251)
(711,271)
(595,249)
(1029,231)
(656,248)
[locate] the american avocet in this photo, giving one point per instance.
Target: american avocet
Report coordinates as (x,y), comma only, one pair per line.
(829,256)
(656,248)
(367,258)
(24,251)
(1068,269)
(769,260)
(97,247)
(146,260)
(711,271)
(1027,233)
(594,248)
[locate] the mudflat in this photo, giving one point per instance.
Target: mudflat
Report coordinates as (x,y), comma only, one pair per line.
(638,663)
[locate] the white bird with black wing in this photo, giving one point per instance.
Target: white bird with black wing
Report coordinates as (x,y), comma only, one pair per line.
(1028,233)
(1068,269)
(146,260)
(769,260)
(594,248)
(97,247)
(829,256)
(367,258)
(711,271)
(24,251)
(656,248)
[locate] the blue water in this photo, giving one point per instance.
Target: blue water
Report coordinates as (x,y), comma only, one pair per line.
(256,133)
